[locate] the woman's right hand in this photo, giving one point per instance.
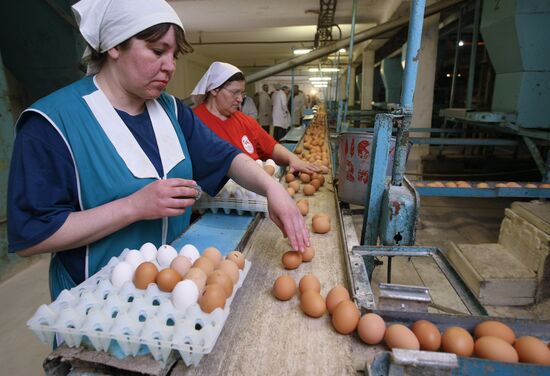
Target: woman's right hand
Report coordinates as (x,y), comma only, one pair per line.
(163,198)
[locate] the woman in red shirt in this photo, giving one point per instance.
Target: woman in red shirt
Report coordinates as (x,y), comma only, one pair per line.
(220,93)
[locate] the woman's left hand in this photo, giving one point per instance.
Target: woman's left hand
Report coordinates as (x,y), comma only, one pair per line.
(286,215)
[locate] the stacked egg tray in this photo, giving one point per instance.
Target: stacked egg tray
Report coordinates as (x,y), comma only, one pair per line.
(258,204)
(129,321)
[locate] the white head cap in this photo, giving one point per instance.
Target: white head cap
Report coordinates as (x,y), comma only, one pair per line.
(104,24)
(214,77)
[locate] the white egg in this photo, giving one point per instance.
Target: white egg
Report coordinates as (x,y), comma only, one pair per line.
(260,162)
(134,258)
(271,162)
(165,255)
(122,273)
(225,194)
(185,294)
(251,195)
(148,251)
(238,193)
(190,251)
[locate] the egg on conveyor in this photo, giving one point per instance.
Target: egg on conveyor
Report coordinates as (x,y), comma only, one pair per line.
(271,162)
(122,273)
(134,258)
(185,294)
(165,254)
(190,251)
(260,162)
(148,251)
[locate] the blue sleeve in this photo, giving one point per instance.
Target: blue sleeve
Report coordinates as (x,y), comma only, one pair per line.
(210,155)
(42,183)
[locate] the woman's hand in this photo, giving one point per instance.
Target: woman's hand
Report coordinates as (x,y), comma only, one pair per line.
(296,164)
(286,215)
(163,198)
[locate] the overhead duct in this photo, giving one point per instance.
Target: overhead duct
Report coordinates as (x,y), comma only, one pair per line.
(359,37)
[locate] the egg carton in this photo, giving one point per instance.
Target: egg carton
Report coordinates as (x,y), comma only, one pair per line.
(232,197)
(127,321)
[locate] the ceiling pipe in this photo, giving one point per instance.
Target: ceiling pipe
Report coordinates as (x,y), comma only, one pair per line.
(359,37)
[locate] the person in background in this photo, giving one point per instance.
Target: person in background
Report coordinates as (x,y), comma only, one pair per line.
(248,107)
(299,106)
(280,114)
(265,108)
(218,96)
(112,161)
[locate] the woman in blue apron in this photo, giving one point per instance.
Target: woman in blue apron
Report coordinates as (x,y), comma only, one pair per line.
(112,161)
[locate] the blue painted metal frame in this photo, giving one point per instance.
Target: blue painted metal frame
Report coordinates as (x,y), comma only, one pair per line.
(377,182)
(466,367)
(492,191)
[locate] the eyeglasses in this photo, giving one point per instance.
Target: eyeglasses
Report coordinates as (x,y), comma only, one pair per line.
(236,93)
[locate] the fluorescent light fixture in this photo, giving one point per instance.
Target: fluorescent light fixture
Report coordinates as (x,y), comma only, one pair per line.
(460,43)
(319,78)
(342,50)
(320,84)
(315,70)
(301,51)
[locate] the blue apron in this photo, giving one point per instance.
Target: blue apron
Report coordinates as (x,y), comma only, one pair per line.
(110,164)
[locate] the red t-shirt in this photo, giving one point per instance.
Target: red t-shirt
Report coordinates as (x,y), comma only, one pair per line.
(242,131)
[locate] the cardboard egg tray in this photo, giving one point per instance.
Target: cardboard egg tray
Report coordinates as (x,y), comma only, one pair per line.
(129,321)
(240,205)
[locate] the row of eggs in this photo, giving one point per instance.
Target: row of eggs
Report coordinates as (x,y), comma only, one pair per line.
(188,276)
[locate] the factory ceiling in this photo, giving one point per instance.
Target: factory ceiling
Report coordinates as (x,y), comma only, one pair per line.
(260,33)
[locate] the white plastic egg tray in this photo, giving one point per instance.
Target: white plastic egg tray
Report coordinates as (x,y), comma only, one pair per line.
(128,321)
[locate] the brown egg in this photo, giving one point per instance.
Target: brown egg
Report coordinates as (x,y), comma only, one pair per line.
(308,189)
(302,207)
(321,179)
(495,329)
(221,278)
(315,183)
(482,185)
(309,282)
(428,335)
(320,225)
(321,215)
(495,348)
(237,258)
(145,274)
(303,201)
(312,303)
(298,150)
(457,341)
(398,336)
(532,350)
(308,254)
(335,296)
(295,185)
(371,328)
(291,191)
(181,264)
(305,178)
(167,279)
(284,287)
(345,317)
(231,269)
(212,297)
(214,255)
(289,177)
(198,276)
(269,169)
(292,259)
(205,264)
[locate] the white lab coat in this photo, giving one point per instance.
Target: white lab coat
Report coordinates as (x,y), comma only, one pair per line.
(249,108)
(299,107)
(265,109)
(281,117)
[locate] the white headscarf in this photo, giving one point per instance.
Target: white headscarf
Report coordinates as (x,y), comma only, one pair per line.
(105,24)
(214,77)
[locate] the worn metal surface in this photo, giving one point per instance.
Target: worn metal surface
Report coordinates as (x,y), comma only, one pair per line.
(491,191)
(399,214)
(388,363)
(469,299)
(397,297)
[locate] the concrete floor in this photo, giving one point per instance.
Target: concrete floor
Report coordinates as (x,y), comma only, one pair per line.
(442,220)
